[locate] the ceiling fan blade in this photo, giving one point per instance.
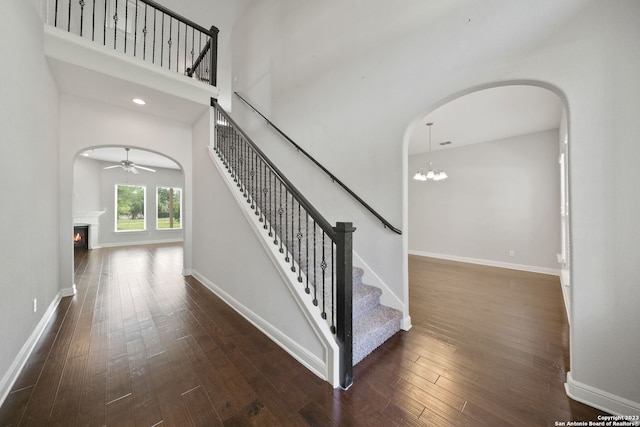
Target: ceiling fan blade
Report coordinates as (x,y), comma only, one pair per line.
(133,170)
(111,167)
(145,168)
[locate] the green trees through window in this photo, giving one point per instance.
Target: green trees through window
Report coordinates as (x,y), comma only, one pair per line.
(169,208)
(130,201)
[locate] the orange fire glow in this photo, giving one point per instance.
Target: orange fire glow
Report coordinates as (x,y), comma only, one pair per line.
(77,238)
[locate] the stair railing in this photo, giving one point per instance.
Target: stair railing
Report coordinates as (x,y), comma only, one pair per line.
(319,254)
(385,223)
(143,29)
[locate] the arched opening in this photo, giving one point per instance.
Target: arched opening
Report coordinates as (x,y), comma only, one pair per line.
(501,204)
(492,238)
(126,196)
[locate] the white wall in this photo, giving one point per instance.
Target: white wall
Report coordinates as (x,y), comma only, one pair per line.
(348,80)
(500,196)
(223,14)
(86,185)
(228,255)
(87,124)
(29,169)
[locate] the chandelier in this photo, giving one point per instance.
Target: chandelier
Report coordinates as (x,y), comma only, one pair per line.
(429,173)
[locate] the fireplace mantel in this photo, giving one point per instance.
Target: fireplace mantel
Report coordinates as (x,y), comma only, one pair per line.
(92,219)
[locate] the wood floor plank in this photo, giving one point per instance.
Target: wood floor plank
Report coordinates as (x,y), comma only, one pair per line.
(140,344)
(69,395)
(200,408)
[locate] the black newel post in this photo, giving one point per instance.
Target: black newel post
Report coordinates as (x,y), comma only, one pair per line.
(344,300)
(213,73)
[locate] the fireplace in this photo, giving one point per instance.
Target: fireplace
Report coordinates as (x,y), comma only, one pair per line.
(90,221)
(81,236)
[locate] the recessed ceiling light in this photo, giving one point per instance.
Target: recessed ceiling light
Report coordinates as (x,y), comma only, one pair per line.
(138,101)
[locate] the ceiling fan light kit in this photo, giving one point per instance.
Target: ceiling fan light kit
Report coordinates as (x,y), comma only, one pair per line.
(129,166)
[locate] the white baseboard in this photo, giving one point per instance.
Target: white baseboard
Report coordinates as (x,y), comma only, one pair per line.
(328,368)
(566,292)
(312,362)
(16,367)
(68,292)
(600,399)
(143,242)
(406,323)
(490,263)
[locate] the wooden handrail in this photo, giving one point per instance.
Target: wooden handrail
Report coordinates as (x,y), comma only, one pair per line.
(313,212)
(212,32)
(385,223)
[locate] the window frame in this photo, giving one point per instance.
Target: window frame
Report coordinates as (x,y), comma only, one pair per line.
(144,208)
(158,187)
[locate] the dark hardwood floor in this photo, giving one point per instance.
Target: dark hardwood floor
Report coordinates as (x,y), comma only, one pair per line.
(140,345)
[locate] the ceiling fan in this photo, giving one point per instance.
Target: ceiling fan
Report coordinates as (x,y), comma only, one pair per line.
(129,166)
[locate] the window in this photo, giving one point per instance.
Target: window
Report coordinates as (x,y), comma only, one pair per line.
(169,208)
(130,202)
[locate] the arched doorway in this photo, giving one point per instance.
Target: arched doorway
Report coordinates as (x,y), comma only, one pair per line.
(504,204)
(127,196)
(501,205)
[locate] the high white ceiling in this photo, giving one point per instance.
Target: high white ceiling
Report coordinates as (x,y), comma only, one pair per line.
(488,115)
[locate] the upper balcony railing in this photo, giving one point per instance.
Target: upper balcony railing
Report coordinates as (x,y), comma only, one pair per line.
(143,29)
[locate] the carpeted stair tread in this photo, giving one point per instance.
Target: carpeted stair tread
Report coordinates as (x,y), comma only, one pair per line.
(365,298)
(374,328)
(357,276)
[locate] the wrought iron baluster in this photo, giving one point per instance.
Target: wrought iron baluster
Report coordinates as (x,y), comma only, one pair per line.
(286,226)
(236,152)
(69,18)
(170,42)
(271,194)
(259,189)
(252,176)
(81,3)
(277,240)
(293,236)
(299,236)
(323,266)
(135,32)
(126,23)
(186,37)
(193,52)
(306,262)
(115,25)
(241,180)
(104,27)
(93,21)
(162,42)
(265,199)
(199,75)
(153,59)
(55,17)
(178,49)
(144,35)
(315,266)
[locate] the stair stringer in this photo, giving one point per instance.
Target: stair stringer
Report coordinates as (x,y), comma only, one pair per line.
(328,369)
(387,298)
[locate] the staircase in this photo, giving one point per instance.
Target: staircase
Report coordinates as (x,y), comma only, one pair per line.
(314,256)
(373,323)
